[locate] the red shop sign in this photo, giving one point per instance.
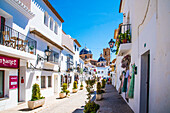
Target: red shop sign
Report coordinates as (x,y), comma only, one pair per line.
(8,62)
(13,82)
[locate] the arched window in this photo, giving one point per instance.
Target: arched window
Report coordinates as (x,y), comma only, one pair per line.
(75,47)
(46,18)
(51,23)
(56,28)
(85,56)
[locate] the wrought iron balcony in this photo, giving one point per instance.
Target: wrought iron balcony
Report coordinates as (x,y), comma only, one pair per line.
(124,34)
(16,40)
(123,39)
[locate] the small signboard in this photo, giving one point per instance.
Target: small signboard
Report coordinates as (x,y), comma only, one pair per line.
(13,82)
(8,62)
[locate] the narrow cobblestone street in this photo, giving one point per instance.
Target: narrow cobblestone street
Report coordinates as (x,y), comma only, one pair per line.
(112,102)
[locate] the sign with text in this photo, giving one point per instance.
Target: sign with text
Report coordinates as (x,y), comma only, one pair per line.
(13,82)
(8,62)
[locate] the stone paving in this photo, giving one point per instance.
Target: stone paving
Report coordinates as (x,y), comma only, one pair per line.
(74,104)
(112,102)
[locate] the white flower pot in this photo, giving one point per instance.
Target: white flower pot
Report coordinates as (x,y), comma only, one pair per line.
(99,96)
(35,104)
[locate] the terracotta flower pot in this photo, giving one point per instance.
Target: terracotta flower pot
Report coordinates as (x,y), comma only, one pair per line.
(81,88)
(74,91)
(62,95)
(125,41)
(31,52)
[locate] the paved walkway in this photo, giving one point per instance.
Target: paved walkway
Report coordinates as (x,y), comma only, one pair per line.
(112,102)
(74,103)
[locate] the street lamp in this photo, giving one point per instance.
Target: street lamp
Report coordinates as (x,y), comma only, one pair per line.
(47,53)
(111,44)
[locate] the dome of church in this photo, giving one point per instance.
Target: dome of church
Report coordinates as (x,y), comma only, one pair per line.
(85,51)
(101,59)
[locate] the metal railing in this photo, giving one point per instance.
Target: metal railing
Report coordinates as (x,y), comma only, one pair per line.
(124,33)
(16,40)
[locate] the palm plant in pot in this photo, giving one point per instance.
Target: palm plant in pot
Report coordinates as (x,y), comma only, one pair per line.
(63,92)
(36,100)
(75,87)
(103,85)
(99,92)
(81,86)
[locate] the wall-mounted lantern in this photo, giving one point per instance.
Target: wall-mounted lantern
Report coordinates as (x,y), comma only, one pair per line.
(47,53)
(111,45)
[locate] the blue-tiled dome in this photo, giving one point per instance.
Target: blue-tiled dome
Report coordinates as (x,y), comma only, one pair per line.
(101,59)
(85,51)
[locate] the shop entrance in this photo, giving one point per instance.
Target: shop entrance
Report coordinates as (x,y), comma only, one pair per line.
(145,82)
(1,84)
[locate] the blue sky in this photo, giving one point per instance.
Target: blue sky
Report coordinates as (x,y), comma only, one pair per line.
(91,22)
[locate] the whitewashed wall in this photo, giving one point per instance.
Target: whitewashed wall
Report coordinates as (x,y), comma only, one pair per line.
(154,32)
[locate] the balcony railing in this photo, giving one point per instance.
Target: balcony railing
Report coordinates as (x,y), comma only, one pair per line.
(124,34)
(16,40)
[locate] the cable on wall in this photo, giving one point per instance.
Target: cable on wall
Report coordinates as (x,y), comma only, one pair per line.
(147,9)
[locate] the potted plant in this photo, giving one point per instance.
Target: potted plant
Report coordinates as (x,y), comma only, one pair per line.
(62,94)
(67,92)
(103,85)
(91,106)
(74,87)
(36,100)
(81,86)
(91,83)
(99,92)
(31,49)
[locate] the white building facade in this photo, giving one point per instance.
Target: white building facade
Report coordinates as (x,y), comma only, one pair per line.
(149,51)
(29,29)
